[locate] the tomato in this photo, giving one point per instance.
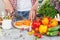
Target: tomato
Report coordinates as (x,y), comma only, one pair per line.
(39,19)
(39,35)
(36,29)
(49,19)
(35,24)
(59,33)
(49,25)
(35,34)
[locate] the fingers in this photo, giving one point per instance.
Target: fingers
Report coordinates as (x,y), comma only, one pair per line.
(9,9)
(32,15)
(12,16)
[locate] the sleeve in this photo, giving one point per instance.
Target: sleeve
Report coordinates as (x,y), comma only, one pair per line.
(14,3)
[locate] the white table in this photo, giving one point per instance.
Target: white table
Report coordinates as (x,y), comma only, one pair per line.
(17,34)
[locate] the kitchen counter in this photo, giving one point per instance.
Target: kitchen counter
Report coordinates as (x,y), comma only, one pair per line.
(17,34)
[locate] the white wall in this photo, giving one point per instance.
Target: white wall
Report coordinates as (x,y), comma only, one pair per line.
(1,5)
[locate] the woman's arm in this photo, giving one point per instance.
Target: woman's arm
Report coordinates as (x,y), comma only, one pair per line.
(32,13)
(8,6)
(34,7)
(7,2)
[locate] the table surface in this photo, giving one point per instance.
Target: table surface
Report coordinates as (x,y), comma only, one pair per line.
(17,34)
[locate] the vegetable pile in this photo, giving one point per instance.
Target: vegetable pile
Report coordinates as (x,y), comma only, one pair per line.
(45,23)
(45,26)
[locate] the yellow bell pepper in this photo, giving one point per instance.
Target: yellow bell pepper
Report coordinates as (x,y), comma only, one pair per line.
(43,29)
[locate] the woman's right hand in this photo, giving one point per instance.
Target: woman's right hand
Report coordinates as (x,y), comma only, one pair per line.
(9,9)
(8,6)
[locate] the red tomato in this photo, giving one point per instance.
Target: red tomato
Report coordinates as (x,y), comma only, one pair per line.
(48,25)
(36,34)
(36,29)
(38,19)
(59,33)
(49,19)
(39,36)
(35,24)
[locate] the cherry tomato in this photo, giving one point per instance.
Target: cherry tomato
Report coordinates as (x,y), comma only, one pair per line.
(39,35)
(59,33)
(36,29)
(36,34)
(39,19)
(48,25)
(49,19)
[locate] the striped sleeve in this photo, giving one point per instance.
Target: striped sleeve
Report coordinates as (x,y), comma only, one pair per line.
(14,3)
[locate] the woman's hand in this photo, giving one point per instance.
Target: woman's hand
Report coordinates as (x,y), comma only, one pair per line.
(9,9)
(8,6)
(32,15)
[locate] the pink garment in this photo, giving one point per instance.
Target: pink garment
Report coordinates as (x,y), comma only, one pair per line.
(14,2)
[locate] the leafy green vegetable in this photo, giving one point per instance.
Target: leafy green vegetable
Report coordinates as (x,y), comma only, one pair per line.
(47,10)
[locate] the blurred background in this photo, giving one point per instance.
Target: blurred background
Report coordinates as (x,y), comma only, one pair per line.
(2,12)
(1,6)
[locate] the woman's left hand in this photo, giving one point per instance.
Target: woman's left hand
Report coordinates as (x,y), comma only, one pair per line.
(32,15)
